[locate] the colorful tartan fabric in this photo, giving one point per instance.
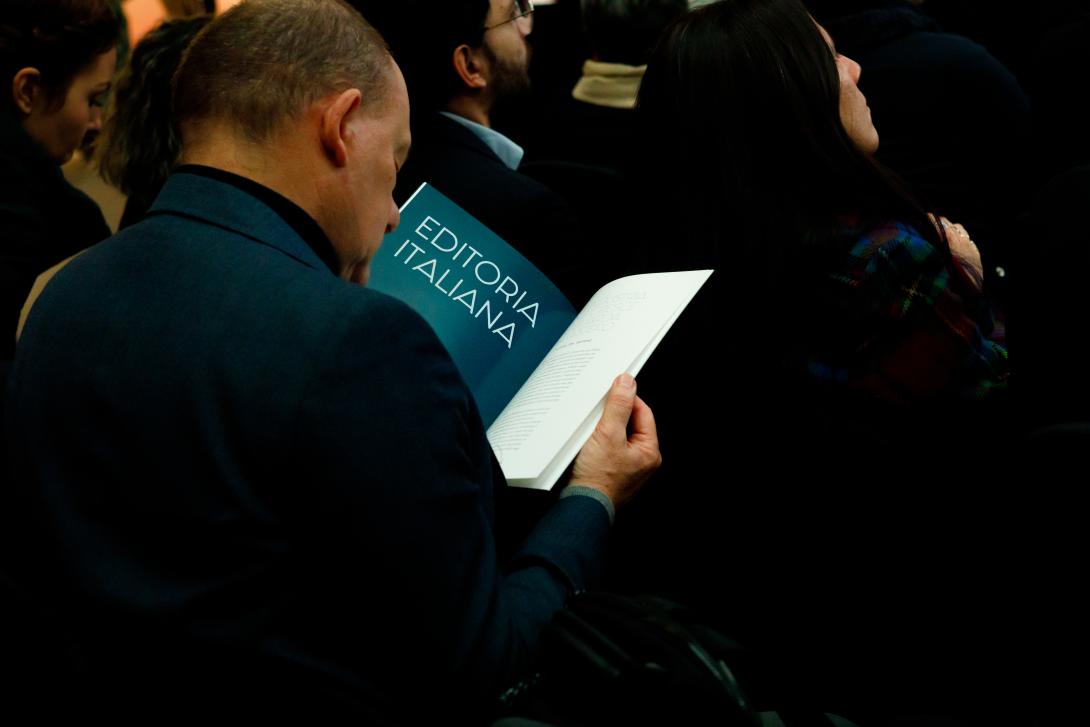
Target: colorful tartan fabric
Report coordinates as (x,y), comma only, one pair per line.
(893,323)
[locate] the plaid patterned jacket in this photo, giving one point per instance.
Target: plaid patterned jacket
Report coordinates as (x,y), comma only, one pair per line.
(895,322)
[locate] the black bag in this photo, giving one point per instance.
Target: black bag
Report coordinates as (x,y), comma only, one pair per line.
(610,659)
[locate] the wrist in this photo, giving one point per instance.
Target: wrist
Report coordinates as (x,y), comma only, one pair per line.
(595,492)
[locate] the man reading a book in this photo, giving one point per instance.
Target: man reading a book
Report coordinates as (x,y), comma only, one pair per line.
(245,482)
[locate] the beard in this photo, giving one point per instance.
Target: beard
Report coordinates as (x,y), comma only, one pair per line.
(510,78)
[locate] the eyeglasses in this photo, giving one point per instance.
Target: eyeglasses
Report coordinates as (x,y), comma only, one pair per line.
(522,11)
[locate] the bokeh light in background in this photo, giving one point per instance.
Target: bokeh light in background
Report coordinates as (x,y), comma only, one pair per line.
(143,15)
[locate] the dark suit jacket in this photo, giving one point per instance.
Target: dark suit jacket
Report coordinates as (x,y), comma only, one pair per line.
(526,214)
(244,479)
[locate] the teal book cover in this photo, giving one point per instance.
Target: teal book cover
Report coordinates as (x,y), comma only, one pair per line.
(497,315)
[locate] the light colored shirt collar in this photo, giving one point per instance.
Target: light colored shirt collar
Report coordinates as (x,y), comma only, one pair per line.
(508,151)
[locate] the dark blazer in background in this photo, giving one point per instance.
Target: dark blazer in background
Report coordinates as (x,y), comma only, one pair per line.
(43,220)
(244,482)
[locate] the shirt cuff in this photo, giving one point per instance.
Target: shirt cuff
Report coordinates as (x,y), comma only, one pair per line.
(593,493)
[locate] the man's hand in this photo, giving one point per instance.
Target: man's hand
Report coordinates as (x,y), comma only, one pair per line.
(613,460)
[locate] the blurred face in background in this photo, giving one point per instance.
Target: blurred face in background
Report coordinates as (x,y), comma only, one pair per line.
(60,127)
(854,111)
(507,26)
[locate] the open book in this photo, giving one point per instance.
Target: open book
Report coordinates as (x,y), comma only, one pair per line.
(539,372)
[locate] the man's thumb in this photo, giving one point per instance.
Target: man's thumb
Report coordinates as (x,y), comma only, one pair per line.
(619,402)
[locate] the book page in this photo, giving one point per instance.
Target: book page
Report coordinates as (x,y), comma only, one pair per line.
(555,411)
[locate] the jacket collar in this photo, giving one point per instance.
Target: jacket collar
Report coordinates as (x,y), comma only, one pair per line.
(225,205)
(503,148)
(614,85)
(448,131)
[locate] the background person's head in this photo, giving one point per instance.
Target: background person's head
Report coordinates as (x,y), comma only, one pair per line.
(57,60)
(139,143)
(768,127)
(303,97)
(625,31)
(456,49)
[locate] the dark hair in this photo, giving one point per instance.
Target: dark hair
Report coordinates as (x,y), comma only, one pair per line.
(139,143)
(625,31)
(264,62)
(423,35)
(744,97)
(58,37)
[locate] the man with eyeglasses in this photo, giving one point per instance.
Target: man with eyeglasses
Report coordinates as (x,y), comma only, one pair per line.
(463,60)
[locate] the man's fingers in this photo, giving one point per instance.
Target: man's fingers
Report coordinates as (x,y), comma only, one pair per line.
(619,402)
(643,423)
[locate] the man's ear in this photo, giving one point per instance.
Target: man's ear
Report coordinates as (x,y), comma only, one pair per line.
(335,133)
(26,89)
(471,65)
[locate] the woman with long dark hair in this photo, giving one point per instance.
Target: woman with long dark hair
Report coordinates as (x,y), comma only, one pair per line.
(57,59)
(823,402)
(861,290)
